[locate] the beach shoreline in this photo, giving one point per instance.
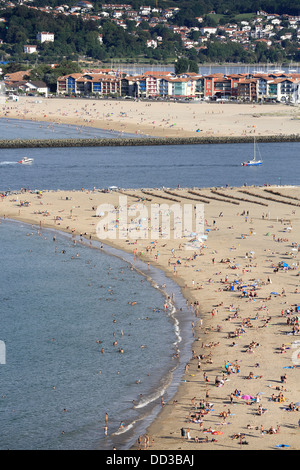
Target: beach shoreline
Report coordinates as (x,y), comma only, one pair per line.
(160,119)
(245,243)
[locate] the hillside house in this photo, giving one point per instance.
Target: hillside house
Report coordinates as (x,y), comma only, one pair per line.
(45,37)
(29,49)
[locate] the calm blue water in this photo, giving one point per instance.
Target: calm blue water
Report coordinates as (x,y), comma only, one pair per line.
(61,304)
(136,167)
(21,129)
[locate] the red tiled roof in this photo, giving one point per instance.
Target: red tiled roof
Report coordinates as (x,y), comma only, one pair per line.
(16,76)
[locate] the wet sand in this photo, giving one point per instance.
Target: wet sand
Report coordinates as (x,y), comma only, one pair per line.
(244,337)
(162,119)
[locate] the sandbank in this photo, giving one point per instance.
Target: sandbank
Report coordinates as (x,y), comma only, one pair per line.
(252,328)
(158,118)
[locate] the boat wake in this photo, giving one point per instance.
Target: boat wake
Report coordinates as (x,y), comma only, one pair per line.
(7,163)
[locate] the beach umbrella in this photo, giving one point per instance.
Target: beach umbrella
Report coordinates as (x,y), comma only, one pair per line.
(247,397)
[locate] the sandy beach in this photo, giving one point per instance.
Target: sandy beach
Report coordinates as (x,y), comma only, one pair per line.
(241,387)
(162,119)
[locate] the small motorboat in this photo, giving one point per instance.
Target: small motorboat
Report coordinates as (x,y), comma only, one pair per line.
(26,161)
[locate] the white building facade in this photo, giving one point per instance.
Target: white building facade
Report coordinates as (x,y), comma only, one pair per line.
(45,37)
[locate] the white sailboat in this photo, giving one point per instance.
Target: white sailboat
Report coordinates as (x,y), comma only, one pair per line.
(252,162)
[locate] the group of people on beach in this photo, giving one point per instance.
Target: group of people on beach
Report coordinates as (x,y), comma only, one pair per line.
(260,318)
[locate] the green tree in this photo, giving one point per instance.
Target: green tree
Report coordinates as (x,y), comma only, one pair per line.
(261,52)
(181,65)
(184,65)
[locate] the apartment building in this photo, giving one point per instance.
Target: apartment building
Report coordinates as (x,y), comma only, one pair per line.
(247,89)
(285,89)
(217,85)
(256,87)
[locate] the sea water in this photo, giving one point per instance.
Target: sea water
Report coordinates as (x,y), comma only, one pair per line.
(67,312)
(22,129)
(149,167)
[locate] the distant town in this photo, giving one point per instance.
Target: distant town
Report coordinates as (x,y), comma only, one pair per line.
(106,30)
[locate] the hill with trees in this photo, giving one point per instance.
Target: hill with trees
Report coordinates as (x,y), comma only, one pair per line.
(196,31)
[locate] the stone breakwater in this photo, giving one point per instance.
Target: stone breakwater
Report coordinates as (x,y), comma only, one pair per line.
(144,141)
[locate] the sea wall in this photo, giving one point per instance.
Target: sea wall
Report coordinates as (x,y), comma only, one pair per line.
(142,141)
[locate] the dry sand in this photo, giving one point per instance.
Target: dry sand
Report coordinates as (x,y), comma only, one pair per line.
(164,119)
(240,247)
